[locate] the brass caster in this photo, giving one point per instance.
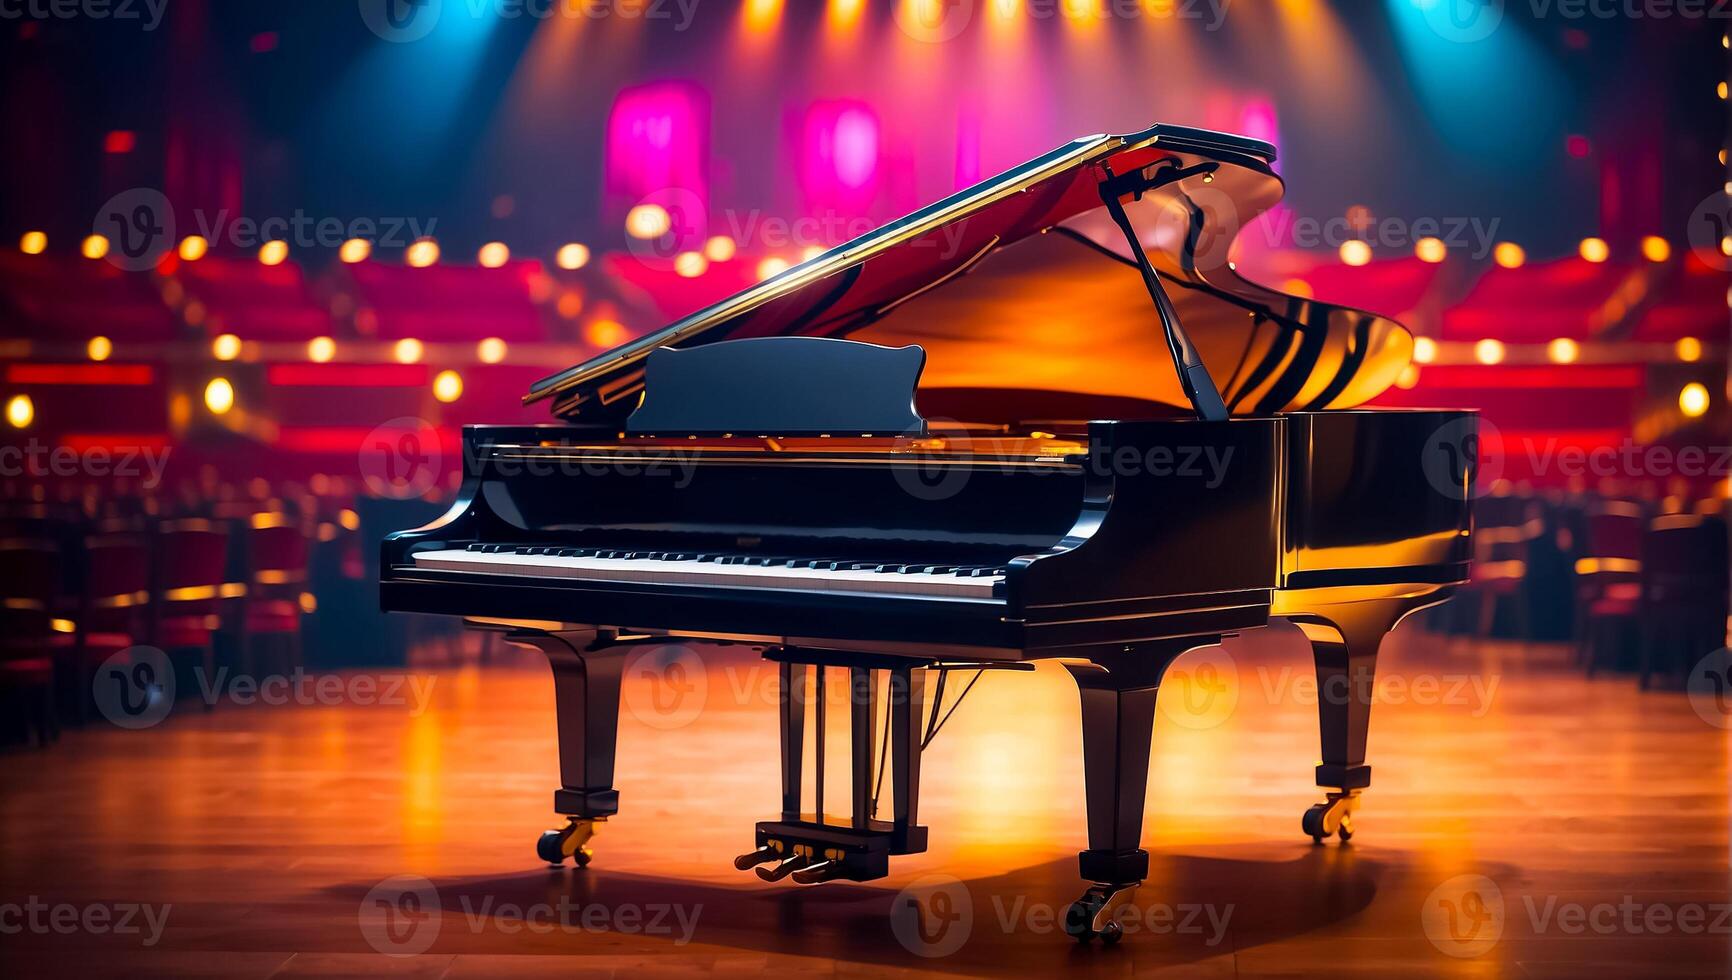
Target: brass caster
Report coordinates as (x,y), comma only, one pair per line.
(1091,916)
(568,842)
(1332,818)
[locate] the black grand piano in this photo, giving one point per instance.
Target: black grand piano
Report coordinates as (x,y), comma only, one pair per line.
(1041,418)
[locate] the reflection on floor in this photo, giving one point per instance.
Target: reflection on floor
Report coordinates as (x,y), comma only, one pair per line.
(1522,819)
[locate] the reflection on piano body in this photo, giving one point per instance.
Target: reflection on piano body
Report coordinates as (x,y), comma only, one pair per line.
(1042,418)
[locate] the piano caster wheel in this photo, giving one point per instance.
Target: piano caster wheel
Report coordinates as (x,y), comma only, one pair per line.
(1332,818)
(568,842)
(1090,917)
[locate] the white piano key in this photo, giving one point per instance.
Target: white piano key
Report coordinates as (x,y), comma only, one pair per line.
(708,574)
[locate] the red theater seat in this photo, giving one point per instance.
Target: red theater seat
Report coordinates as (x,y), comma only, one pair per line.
(1392,287)
(1538,301)
(451,302)
(254,301)
(1692,303)
(71,299)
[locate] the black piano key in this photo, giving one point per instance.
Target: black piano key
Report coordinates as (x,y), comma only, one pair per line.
(891,567)
(861,566)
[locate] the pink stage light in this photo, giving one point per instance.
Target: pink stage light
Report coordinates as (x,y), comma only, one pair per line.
(839,157)
(658,149)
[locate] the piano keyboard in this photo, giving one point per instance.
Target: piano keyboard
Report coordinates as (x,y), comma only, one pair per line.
(715,568)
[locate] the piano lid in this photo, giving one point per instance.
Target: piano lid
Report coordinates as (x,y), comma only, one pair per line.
(1022,284)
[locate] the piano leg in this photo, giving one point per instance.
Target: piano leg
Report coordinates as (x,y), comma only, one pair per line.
(1345,637)
(586,679)
(1118,722)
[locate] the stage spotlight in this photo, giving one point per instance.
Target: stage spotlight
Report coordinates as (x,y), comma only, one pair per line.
(193,248)
(772,267)
(842,15)
(1488,351)
(490,351)
(1688,349)
(1563,351)
(1299,288)
(720,248)
(1424,350)
(448,386)
(407,351)
(355,250)
(647,221)
(1509,255)
(1431,250)
(321,349)
(604,333)
(94,247)
(422,253)
(20,411)
(219,396)
(1355,252)
(33,243)
(99,348)
(273,252)
(572,256)
(1656,249)
(1720,90)
(1693,400)
(811,252)
(1408,377)
(761,16)
(493,255)
(690,264)
(226,347)
(1594,250)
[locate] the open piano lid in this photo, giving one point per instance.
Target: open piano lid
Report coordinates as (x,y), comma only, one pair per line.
(1024,295)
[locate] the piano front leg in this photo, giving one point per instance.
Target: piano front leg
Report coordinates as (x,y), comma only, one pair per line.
(1118,720)
(586,678)
(1345,637)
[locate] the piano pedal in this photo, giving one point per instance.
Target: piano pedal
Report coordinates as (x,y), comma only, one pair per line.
(762,855)
(568,842)
(829,869)
(1334,817)
(1091,916)
(784,869)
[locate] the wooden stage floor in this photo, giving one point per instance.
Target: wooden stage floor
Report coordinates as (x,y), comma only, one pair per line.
(1523,821)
